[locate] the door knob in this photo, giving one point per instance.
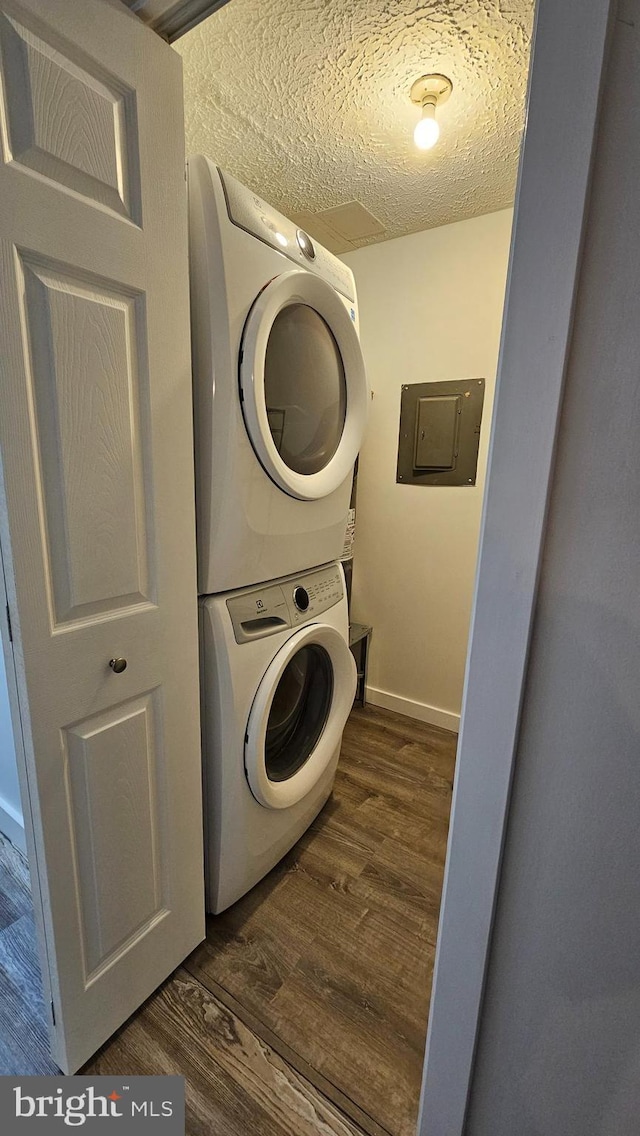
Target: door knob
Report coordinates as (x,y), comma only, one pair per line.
(118,665)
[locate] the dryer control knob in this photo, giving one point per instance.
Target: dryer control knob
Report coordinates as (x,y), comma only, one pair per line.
(301,598)
(305,244)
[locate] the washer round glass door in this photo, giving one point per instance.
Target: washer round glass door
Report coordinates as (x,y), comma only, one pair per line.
(298,715)
(303,383)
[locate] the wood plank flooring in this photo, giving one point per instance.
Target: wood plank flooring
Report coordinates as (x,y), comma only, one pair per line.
(331,956)
(235,1084)
(304,1013)
(24,1044)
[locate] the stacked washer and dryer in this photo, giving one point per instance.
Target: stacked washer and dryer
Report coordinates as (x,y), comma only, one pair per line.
(280,401)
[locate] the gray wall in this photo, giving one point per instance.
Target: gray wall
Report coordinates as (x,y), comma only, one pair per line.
(559,1041)
(10,807)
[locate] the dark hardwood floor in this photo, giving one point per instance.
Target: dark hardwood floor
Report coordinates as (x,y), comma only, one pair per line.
(235,1084)
(329,959)
(304,1013)
(24,1044)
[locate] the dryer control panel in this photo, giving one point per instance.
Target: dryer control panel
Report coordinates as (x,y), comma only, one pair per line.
(269,608)
(249,212)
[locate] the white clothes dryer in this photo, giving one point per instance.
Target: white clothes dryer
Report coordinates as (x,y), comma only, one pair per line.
(280,390)
(278,683)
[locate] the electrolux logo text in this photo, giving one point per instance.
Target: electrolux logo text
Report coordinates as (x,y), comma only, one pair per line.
(134,1105)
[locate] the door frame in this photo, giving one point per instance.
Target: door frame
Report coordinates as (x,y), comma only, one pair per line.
(172,18)
(565,79)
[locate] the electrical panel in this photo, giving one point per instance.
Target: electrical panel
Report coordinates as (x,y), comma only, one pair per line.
(440,432)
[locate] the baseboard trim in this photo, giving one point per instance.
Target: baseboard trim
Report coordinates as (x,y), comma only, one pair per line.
(420,710)
(11,825)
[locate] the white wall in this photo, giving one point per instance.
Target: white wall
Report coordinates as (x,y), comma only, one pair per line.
(11,823)
(559,1037)
(430,309)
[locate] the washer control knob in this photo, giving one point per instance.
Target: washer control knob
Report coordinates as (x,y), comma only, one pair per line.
(301,598)
(305,244)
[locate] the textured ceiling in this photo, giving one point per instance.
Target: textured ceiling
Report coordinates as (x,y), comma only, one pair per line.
(307,102)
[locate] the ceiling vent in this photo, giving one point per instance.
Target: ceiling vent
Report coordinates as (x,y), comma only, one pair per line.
(342,227)
(351,221)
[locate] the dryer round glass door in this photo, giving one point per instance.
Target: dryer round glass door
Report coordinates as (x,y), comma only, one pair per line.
(298,715)
(304,387)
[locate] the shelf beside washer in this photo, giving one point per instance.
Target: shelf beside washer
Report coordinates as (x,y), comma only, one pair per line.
(359,639)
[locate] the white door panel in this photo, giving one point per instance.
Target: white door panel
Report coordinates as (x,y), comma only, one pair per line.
(97,513)
(95,499)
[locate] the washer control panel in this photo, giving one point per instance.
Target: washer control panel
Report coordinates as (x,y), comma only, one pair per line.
(255,612)
(314,593)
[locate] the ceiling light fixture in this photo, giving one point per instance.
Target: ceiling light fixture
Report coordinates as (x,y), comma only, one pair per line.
(428,92)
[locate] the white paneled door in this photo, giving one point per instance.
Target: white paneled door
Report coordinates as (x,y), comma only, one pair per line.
(97,517)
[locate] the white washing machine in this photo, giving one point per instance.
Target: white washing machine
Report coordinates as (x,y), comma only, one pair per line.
(278,682)
(280,390)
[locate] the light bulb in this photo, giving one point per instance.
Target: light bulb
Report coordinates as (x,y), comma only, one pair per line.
(427,131)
